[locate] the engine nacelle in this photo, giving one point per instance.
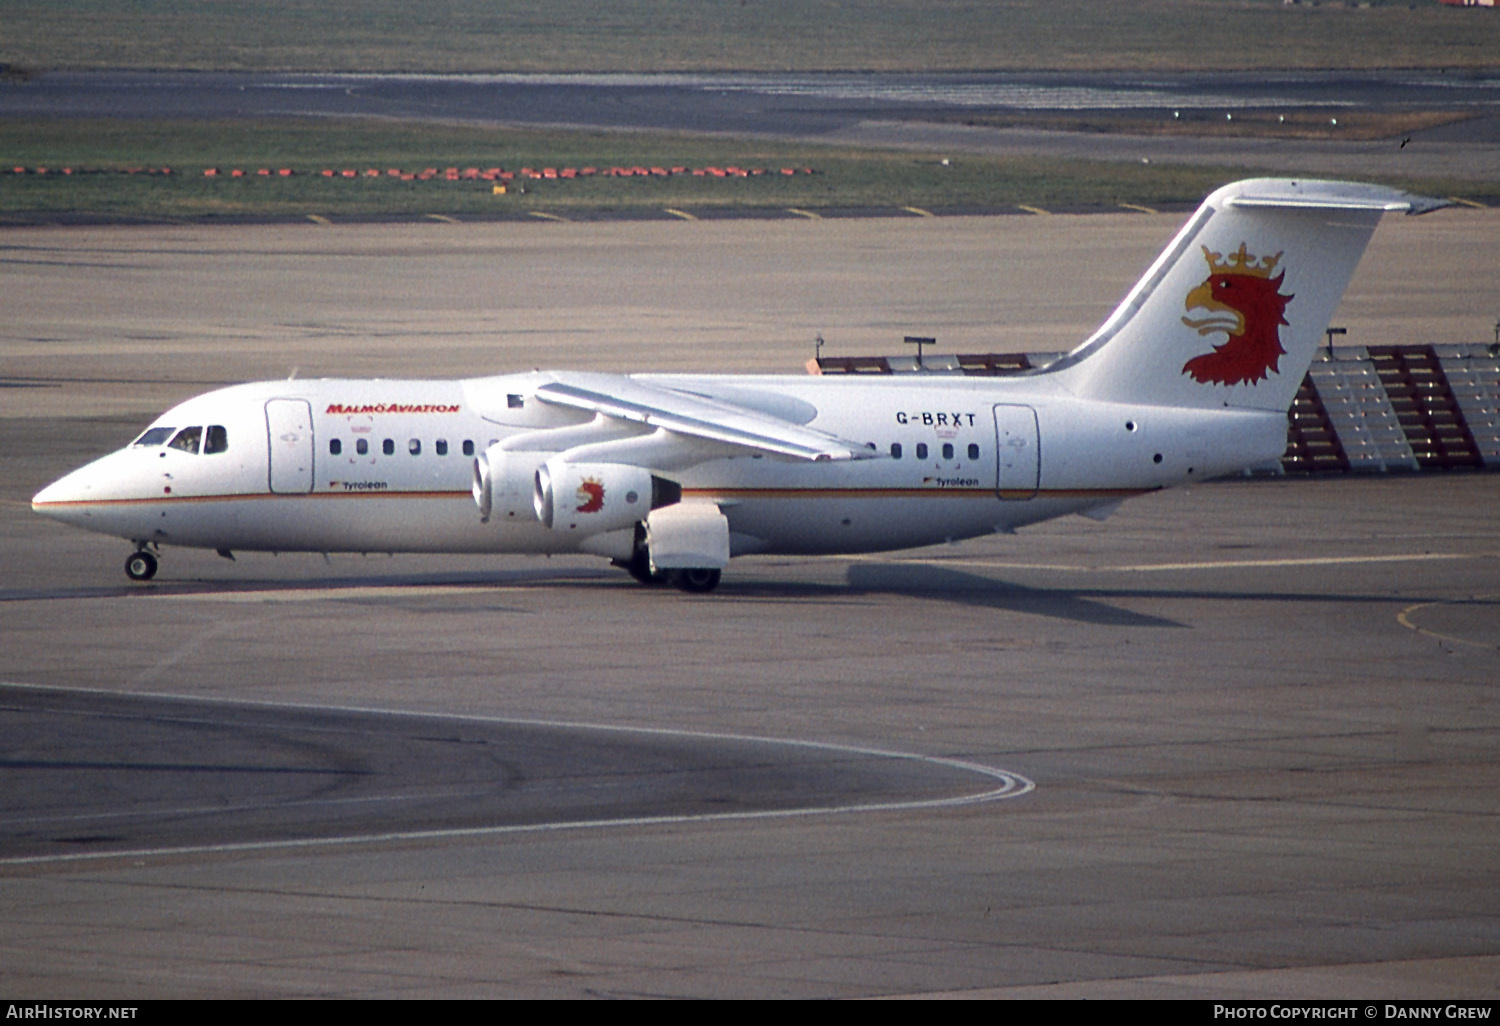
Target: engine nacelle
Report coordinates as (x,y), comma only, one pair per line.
(587,498)
(504,483)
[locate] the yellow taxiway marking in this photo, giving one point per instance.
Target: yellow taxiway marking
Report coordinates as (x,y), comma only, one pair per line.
(680,213)
(1032,210)
(804,213)
(1467,202)
(548,217)
(318,219)
(445,219)
(919,211)
(1404,619)
(1138,208)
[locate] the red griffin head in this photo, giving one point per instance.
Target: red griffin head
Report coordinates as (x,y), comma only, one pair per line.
(591,496)
(1245,303)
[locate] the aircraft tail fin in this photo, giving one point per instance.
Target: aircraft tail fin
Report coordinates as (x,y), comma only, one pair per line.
(1232,311)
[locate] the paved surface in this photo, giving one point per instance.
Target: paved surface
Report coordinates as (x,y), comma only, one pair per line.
(804,104)
(1469,150)
(1260,716)
(107,775)
(879,110)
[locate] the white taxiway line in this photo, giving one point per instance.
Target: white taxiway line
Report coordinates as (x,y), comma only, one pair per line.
(265,596)
(306,594)
(1220,564)
(1000,784)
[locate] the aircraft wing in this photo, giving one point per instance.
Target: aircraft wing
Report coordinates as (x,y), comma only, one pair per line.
(695,416)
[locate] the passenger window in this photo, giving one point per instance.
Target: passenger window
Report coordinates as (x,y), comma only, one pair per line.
(921,450)
(187,439)
(515,402)
(362,446)
(468,447)
(335,447)
(973,450)
(947,450)
(216,441)
(414,447)
(441,445)
(154,436)
(388,447)
(895,450)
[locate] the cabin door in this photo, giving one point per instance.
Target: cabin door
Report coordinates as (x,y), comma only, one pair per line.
(290,436)
(1018,452)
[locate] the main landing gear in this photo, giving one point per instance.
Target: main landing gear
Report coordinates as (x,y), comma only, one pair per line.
(697,580)
(141,566)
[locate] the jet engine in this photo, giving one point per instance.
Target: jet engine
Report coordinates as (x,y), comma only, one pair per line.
(593,497)
(504,483)
(582,497)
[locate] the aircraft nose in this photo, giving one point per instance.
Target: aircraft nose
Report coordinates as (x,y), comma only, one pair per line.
(58,496)
(105,496)
(76,498)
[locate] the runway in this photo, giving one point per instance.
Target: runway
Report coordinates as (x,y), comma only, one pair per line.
(806,104)
(1259,716)
(926,112)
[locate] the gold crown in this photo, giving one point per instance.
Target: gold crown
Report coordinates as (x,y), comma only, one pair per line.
(1241,262)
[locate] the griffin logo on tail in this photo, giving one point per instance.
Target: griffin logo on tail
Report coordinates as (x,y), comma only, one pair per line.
(1244,302)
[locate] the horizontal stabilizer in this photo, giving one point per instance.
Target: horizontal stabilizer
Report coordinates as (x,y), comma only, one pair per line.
(1316,195)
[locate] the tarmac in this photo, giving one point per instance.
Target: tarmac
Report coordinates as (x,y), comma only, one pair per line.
(933,112)
(930,113)
(1239,741)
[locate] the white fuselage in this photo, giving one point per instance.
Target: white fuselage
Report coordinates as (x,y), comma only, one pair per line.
(1189,378)
(339,465)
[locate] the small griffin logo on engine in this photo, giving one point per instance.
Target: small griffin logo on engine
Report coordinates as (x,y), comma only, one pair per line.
(590,496)
(1246,304)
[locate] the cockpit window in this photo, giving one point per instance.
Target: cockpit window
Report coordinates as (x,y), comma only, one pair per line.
(187,439)
(217,440)
(154,436)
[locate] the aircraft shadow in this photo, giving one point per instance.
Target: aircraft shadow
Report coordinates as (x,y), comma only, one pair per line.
(969,589)
(1083,604)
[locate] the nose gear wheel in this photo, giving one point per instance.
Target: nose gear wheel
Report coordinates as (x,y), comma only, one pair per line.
(141,566)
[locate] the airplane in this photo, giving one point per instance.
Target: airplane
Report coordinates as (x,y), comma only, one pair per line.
(671,475)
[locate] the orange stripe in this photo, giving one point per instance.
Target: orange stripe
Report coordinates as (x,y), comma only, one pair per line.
(699,493)
(253,497)
(912,493)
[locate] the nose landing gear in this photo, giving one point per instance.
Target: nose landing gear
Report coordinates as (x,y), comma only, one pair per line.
(141,566)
